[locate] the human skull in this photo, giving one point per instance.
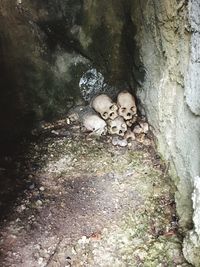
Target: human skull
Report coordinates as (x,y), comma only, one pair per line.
(104,105)
(117,126)
(126,104)
(95,124)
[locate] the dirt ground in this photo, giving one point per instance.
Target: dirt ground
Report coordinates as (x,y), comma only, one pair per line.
(84,202)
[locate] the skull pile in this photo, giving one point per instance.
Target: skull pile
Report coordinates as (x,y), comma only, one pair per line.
(118,116)
(115,118)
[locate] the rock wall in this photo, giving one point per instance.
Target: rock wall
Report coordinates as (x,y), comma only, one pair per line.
(168,37)
(41,62)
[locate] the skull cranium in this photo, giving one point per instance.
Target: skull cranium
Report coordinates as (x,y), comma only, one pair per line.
(117,126)
(104,105)
(126,104)
(95,124)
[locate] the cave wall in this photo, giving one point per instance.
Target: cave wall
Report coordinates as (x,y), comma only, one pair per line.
(40,62)
(168,37)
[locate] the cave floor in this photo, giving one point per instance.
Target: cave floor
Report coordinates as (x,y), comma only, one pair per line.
(88,203)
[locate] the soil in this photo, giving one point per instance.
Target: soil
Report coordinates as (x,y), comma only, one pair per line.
(72,199)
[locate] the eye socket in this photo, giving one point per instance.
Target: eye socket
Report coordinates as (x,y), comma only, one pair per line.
(123,109)
(112,107)
(134,109)
(105,115)
(114,128)
(111,114)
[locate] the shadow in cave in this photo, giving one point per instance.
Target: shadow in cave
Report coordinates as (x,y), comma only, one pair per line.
(134,72)
(13,174)
(12,178)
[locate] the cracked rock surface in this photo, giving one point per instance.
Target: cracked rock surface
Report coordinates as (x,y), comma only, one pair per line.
(89,203)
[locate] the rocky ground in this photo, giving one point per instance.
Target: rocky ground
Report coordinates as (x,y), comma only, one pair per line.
(85,202)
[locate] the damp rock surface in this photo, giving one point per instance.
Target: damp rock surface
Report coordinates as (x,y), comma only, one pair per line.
(89,203)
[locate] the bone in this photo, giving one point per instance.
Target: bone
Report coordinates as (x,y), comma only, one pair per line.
(144,126)
(117,126)
(116,141)
(137,129)
(104,105)
(129,135)
(95,124)
(126,104)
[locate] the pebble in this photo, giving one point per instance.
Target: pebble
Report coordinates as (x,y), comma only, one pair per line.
(21,208)
(55,132)
(83,240)
(68,121)
(40,261)
(41,188)
(32,186)
(38,202)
